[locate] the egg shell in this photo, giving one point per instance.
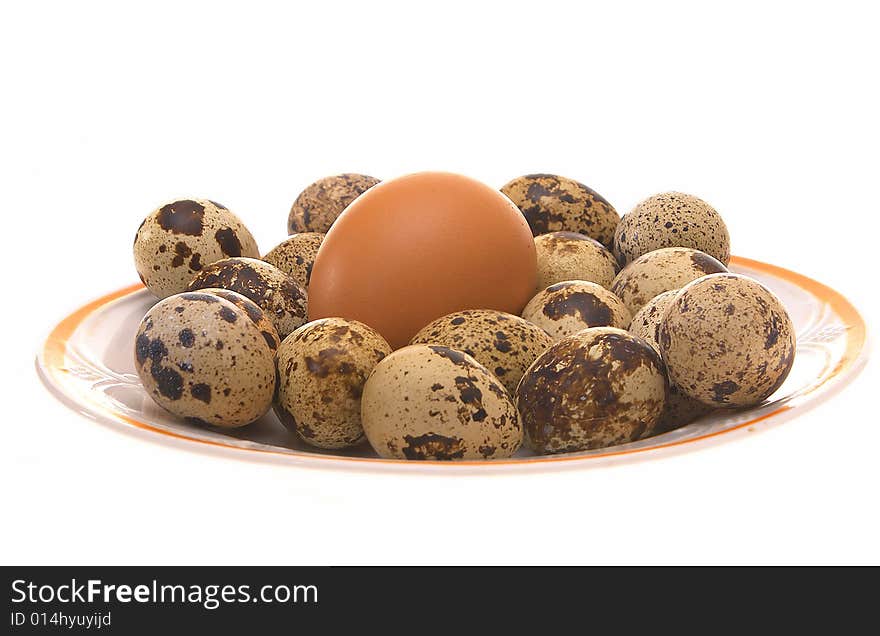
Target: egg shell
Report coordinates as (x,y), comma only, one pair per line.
(201,357)
(433,402)
(503,343)
(572,256)
(296,256)
(567,307)
(415,248)
(660,271)
(671,219)
(320,204)
(599,387)
(552,203)
(322,369)
(253,311)
(179,239)
(727,341)
(277,294)
(679,409)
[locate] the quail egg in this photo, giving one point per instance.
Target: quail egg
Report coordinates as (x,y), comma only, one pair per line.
(596,388)
(727,341)
(201,357)
(671,219)
(679,409)
(659,271)
(296,255)
(179,239)
(433,402)
(572,256)
(322,368)
(567,307)
(503,343)
(552,203)
(278,294)
(318,206)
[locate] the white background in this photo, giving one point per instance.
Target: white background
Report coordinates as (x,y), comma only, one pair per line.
(767,110)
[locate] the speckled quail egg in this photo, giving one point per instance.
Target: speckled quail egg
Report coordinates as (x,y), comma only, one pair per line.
(659,271)
(278,294)
(671,219)
(572,256)
(552,203)
(679,409)
(179,239)
(503,343)
(596,388)
(567,307)
(433,402)
(322,368)
(296,256)
(253,311)
(318,206)
(727,341)
(201,357)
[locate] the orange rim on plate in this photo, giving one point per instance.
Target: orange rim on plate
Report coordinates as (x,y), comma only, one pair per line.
(55,364)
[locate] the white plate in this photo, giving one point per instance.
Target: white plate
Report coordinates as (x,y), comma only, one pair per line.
(87,362)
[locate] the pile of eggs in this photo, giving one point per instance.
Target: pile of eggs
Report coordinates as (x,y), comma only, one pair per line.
(438,318)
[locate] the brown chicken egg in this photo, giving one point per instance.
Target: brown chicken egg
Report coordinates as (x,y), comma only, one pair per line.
(419,247)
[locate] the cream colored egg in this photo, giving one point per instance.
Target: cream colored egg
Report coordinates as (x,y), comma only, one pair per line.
(433,402)
(503,343)
(296,256)
(322,368)
(570,306)
(572,256)
(179,239)
(201,357)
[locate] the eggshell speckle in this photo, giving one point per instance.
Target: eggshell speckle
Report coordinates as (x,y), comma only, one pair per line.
(599,387)
(572,256)
(278,294)
(659,271)
(552,203)
(570,306)
(679,409)
(201,357)
(296,256)
(322,369)
(671,219)
(503,343)
(433,402)
(727,341)
(177,240)
(319,205)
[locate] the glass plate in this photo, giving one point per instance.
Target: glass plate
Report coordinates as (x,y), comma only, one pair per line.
(87,362)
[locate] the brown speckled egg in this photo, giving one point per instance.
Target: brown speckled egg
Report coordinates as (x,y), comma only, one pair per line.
(322,368)
(296,255)
(567,307)
(572,256)
(727,341)
(318,206)
(201,357)
(679,409)
(176,241)
(659,271)
(671,219)
(433,402)
(596,388)
(503,343)
(253,311)
(552,203)
(278,294)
